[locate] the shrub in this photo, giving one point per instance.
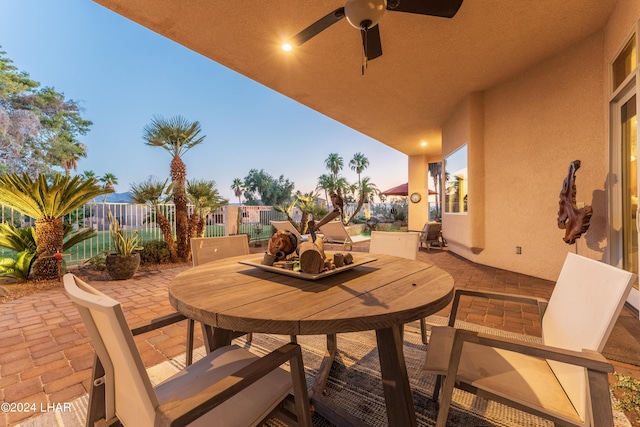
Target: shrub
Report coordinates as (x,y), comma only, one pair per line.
(155,252)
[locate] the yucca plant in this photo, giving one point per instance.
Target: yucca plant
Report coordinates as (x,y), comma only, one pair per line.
(47,201)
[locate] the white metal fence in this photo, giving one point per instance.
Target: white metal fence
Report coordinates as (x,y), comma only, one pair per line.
(141,218)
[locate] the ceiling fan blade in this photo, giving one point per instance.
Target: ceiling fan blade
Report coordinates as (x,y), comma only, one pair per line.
(371,42)
(442,8)
(318,26)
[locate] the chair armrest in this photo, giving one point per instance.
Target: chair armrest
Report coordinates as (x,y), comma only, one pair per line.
(181,413)
(157,323)
(540,302)
(597,369)
(589,359)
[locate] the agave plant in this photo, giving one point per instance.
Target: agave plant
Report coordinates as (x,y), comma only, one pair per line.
(47,201)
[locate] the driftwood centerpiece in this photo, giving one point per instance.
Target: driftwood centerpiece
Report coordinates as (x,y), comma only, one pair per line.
(571,218)
(311,256)
(282,244)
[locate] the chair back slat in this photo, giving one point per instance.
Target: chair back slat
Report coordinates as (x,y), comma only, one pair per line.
(129,392)
(582,311)
(397,243)
(206,249)
(286,226)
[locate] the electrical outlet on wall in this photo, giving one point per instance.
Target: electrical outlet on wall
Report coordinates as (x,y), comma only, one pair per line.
(518,250)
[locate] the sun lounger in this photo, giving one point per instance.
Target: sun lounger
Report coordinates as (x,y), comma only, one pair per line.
(335,232)
(287,226)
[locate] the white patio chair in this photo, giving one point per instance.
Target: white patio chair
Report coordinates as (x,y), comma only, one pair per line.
(402,244)
(564,379)
(207,249)
(228,387)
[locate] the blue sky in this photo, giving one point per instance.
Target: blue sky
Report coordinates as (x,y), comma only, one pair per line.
(122,74)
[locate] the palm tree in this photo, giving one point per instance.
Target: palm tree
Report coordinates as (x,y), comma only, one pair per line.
(89,174)
(358,164)
(153,192)
(176,135)
(109,181)
(367,190)
(48,202)
(325,183)
(334,163)
(69,157)
(205,198)
(435,170)
(238,189)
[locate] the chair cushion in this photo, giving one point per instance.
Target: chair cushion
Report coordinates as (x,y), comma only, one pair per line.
(513,376)
(247,408)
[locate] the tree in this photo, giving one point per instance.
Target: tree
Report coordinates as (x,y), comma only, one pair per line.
(109,181)
(176,135)
(329,183)
(48,202)
(367,189)
(89,174)
(435,170)
(325,183)
(271,191)
(205,198)
(334,163)
(237,189)
(39,128)
(69,159)
(358,164)
(153,192)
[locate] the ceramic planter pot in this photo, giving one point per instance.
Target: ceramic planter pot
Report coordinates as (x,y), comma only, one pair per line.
(121,267)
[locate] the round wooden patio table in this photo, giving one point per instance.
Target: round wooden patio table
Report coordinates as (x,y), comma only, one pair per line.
(380,295)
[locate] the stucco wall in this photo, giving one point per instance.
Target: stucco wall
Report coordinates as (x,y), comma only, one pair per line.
(419,182)
(535,124)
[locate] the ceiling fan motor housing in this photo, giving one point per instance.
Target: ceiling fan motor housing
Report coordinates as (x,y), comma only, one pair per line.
(364,14)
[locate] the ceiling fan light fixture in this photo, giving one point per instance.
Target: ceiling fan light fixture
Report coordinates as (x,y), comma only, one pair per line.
(364,14)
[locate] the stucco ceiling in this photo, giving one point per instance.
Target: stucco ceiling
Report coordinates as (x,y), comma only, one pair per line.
(428,64)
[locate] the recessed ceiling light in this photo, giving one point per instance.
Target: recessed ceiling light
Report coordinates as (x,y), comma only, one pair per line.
(286,47)
(423,143)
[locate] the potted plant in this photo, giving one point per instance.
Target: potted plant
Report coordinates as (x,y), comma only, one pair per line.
(124,261)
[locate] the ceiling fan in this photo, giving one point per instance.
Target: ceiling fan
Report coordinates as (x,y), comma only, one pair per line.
(365,14)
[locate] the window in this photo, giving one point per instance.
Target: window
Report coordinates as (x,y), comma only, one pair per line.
(624,63)
(456,181)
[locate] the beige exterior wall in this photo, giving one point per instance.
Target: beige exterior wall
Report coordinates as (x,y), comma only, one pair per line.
(521,135)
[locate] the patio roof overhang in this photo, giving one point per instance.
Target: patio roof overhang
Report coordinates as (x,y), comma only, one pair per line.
(428,64)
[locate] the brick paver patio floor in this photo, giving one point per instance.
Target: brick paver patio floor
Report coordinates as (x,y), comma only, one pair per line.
(46,356)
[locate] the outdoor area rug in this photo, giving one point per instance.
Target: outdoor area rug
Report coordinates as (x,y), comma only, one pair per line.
(623,345)
(355,384)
